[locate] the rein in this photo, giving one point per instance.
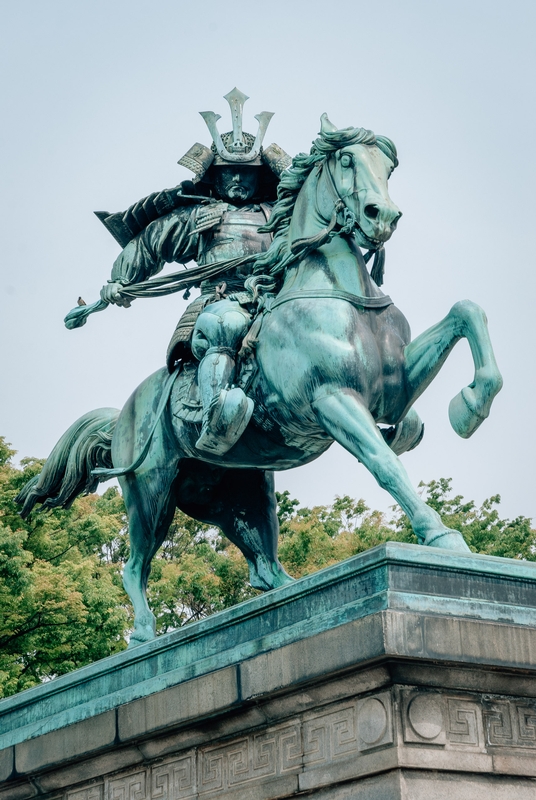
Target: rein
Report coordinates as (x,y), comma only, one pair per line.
(157,287)
(300,247)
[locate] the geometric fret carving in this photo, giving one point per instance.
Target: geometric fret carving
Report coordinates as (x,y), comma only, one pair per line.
(89,793)
(498,724)
(271,753)
(174,780)
(508,723)
(341,732)
(128,787)
(462,721)
(526,720)
(327,736)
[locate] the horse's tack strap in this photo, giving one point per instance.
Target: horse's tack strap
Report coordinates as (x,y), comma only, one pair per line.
(334,294)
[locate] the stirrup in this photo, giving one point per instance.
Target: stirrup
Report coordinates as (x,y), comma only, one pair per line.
(225,422)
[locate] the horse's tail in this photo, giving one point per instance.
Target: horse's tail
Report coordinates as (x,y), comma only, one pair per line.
(68,470)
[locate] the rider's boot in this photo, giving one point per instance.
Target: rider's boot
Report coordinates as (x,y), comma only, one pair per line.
(226,411)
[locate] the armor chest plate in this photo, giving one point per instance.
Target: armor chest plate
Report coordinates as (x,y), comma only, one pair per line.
(236,236)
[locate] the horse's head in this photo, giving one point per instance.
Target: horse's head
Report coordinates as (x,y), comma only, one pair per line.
(357,167)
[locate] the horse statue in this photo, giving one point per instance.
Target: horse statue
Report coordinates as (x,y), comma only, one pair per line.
(333,360)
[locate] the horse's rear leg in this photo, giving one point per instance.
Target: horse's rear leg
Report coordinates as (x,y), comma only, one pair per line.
(242,504)
(150,501)
(425,356)
(344,416)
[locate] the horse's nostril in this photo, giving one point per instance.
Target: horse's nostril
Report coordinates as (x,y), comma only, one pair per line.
(372,211)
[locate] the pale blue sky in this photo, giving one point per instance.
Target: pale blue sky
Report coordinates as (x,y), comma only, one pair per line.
(99,100)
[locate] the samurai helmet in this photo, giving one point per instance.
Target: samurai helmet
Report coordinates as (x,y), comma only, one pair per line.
(236,146)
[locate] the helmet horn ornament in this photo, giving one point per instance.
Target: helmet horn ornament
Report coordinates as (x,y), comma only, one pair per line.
(237,152)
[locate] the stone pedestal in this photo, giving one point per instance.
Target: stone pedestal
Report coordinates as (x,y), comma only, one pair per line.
(404,673)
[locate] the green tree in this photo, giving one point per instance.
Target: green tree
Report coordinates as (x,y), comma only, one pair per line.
(61,600)
(196,572)
(482,528)
(62,604)
(313,538)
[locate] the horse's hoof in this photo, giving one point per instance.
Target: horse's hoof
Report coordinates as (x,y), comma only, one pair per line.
(139,638)
(448,540)
(143,632)
(464,417)
(283,579)
(267,578)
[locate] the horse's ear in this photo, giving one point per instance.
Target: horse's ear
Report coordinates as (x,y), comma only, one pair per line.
(326,126)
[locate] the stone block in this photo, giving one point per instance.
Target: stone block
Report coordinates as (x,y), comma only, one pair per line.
(323,654)
(272,789)
(516,764)
(423,785)
(7,763)
(459,639)
(95,791)
(380,787)
(319,694)
(454,760)
(197,735)
(336,771)
(76,740)
(88,770)
(198,698)
(471,679)
(363,682)
(19,791)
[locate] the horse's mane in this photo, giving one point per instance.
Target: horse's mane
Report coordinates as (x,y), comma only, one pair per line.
(278,256)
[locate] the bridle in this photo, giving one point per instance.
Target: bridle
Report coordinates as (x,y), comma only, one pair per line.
(300,247)
(350,219)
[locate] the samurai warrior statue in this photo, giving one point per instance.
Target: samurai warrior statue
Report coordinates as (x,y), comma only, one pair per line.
(213,220)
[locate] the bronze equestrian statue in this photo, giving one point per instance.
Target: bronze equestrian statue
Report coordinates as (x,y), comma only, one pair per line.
(296,347)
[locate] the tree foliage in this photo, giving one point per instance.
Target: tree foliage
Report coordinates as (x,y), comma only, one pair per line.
(62,604)
(61,600)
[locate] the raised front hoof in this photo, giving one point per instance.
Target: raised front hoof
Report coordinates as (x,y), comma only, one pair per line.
(463,414)
(448,540)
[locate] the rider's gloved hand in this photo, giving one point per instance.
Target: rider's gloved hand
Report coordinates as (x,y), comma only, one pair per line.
(110,293)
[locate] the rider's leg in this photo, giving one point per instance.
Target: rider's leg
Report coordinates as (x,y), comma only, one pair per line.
(344,416)
(226,411)
(425,356)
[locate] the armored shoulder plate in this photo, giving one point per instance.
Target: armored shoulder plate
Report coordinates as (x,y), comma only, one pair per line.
(125,225)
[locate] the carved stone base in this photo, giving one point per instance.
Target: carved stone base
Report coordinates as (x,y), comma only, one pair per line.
(402,674)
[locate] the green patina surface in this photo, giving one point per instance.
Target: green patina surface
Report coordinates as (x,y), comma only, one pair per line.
(392,576)
(292,345)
